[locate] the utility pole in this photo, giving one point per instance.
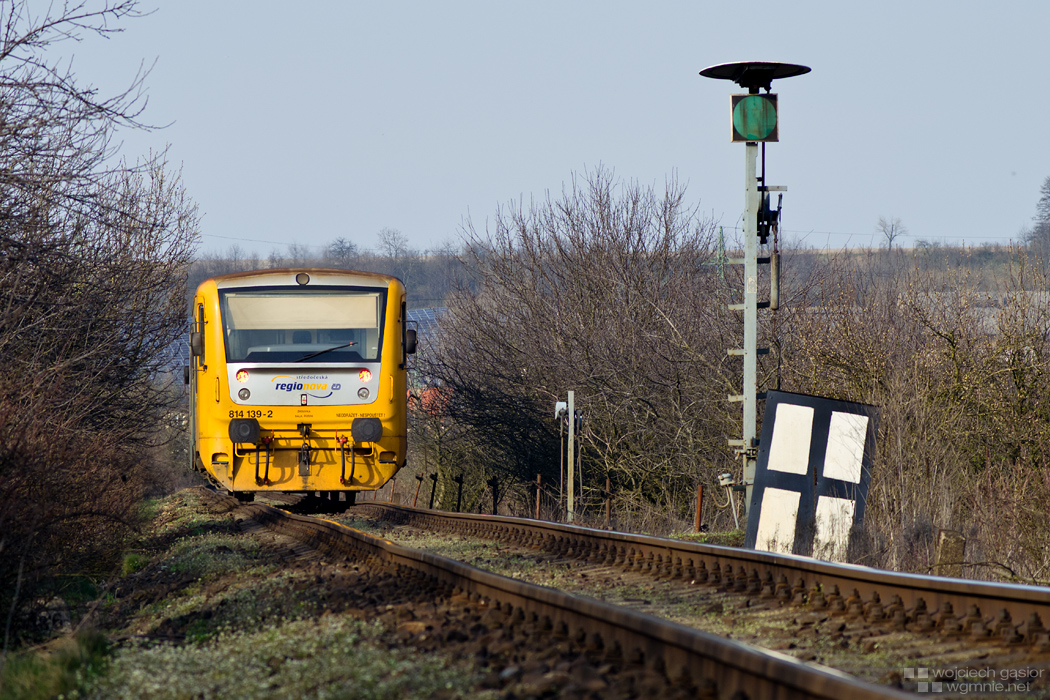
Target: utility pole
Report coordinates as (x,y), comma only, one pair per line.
(570,513)
(754,121)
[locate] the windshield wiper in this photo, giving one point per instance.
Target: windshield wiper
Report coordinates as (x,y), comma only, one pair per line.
(321,352)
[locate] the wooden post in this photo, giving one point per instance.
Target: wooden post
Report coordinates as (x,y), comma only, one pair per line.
(494,483)
(699,505)
(419,478)
(608,499)
(538,488)
(579,458)
(951,546)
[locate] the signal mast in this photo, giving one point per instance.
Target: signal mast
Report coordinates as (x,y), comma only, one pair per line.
(754,121)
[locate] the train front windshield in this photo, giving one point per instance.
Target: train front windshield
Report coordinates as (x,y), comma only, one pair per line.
(286,324)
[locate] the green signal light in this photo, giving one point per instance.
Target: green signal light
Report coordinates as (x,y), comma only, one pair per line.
(755,118)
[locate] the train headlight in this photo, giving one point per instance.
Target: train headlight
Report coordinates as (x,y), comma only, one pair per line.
(245,430)
(362,393)
(364,375)
(242,375)
(366,430)
(302,278)
(243,394)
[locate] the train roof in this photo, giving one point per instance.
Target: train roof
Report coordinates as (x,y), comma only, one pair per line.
(287,275)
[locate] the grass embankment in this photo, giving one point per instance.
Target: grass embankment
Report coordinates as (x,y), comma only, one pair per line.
(205,612)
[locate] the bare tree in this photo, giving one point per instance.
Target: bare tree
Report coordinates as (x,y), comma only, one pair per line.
(299,255)
(891,229)
(393,243)
(959,366)
(93,255)
(605,291)
(402,260)
(1042,209)
(1038,237)
(341,253)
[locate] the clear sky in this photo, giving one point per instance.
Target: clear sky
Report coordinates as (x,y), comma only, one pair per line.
(309,121)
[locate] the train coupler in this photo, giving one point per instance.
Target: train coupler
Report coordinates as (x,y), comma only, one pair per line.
(265,479)
(342,440)
(304,460)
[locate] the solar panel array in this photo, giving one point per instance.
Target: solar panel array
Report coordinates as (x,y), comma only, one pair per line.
(428,320)
(178,353)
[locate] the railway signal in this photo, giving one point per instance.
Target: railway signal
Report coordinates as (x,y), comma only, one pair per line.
(755,119)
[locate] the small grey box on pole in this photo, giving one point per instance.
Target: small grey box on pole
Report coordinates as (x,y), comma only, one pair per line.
(570,513)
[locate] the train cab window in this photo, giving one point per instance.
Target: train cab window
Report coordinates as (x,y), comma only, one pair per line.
(287,324)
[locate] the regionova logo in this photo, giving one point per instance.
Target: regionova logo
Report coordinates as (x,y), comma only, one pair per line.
(303,383)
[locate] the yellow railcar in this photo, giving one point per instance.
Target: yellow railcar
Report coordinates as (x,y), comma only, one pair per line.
(298,380)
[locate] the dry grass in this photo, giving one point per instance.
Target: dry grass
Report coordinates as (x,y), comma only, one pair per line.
(209,613)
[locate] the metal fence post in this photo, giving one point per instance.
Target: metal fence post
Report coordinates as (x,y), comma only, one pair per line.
(538,487)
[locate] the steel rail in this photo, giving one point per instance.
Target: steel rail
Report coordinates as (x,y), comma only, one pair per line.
(981,609)
(724,668)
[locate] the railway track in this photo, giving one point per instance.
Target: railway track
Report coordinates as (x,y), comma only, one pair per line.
(678,661)
(901,622)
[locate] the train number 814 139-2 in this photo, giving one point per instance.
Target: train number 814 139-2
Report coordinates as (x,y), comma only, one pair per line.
(251,413)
